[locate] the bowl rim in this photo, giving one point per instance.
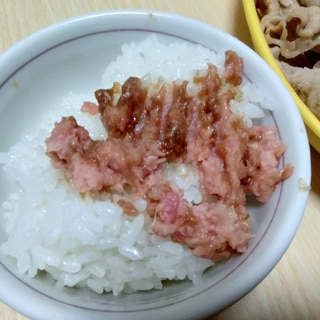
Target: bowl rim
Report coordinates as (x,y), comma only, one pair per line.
(41,34)
(260,45)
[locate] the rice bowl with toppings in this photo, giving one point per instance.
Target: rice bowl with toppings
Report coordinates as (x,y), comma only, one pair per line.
(87,239)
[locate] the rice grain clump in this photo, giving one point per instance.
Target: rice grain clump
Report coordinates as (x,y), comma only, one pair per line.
(86,240)
(82,241)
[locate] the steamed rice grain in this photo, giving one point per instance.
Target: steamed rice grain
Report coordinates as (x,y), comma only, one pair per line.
(87,241)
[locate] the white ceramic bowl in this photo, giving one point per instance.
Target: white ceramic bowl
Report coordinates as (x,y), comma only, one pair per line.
(62,57)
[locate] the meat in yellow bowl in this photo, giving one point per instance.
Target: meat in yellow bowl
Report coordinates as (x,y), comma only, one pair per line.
(292,36)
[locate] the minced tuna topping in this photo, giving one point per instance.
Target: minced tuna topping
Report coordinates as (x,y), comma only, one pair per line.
(149,125)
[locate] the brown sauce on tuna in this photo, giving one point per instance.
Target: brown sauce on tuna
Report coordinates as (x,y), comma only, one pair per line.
(148,126)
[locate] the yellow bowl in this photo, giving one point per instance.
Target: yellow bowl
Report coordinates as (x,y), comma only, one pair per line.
(262,48)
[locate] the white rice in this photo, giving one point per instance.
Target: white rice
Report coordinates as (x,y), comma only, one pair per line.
(88,242)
